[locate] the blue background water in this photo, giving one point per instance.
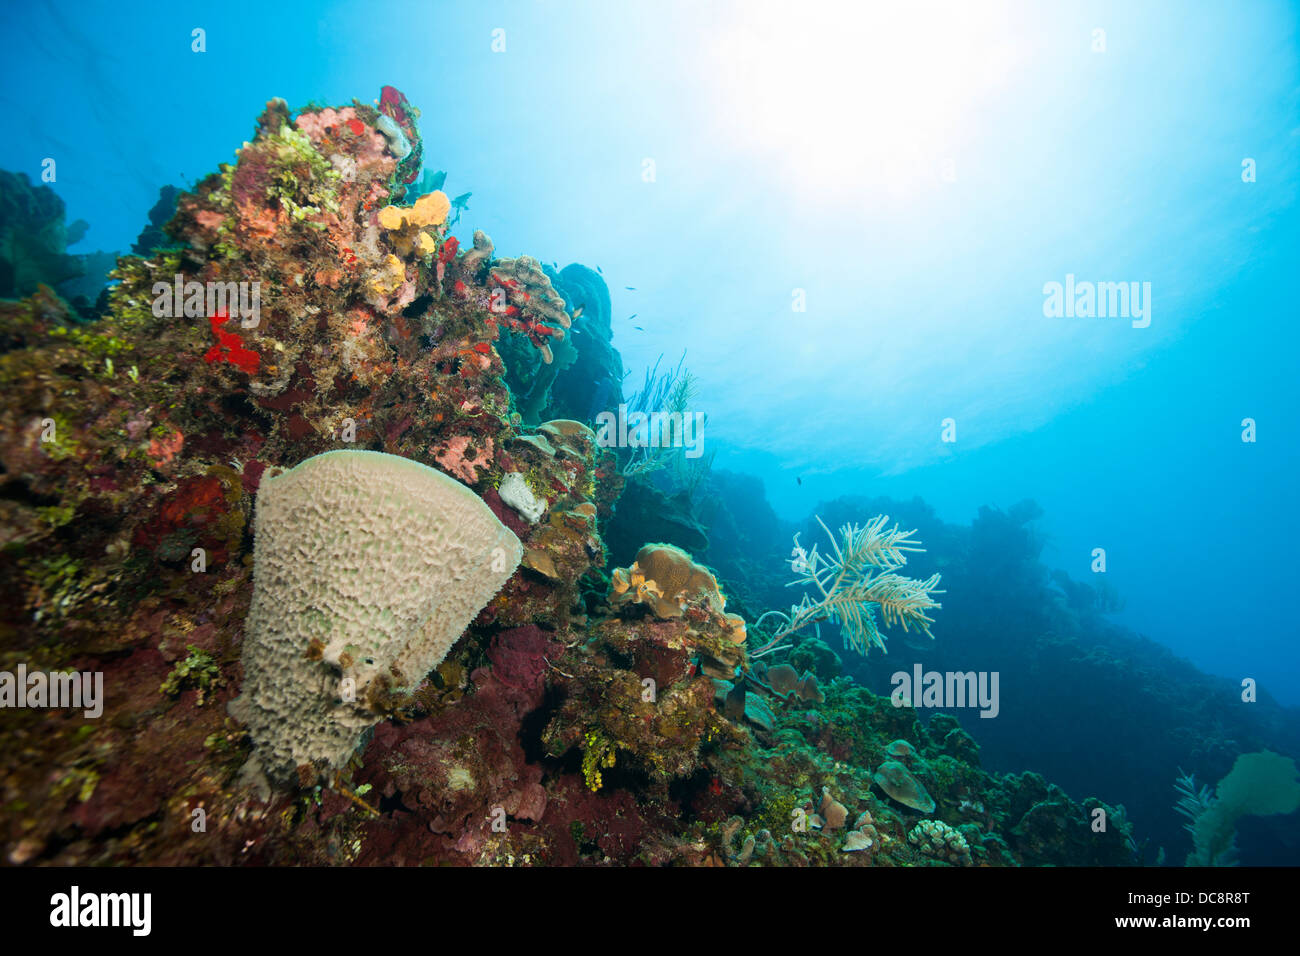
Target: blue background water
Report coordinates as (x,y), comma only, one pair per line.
(810,154)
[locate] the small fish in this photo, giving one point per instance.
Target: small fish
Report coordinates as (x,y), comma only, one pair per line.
(633,316)
(630,288)
(577,313)
(918,642)
(600,270)
(638,328)
(799,480)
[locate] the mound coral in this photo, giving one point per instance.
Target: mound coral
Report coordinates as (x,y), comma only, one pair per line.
(786,681)
(897,781)
(367,569)
(665,578)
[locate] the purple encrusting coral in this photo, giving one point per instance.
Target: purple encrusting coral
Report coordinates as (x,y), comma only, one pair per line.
(562,728)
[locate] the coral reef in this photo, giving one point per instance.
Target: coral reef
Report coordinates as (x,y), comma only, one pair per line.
(230,514)
(154,235)
(593,382)
(34,237)
(1011,614)
(645,512)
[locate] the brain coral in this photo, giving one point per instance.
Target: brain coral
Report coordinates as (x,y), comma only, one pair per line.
(368,568)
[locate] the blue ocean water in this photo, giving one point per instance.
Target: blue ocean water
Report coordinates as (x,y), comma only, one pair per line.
(848,222)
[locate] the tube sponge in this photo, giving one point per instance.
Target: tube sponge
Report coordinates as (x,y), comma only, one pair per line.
(368,568)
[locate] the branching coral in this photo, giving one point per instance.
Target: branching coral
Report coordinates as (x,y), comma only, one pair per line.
(1192,801)
(853,583)
(936,839)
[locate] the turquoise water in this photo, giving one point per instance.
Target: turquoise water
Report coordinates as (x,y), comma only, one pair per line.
(912,179)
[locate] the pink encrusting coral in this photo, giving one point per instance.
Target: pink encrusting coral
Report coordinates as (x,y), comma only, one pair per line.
(327,128)
(454,458)
(163,450)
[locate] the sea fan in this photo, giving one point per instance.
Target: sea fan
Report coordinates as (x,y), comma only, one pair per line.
(851,585)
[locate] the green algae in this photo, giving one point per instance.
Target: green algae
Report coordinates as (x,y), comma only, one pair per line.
(199,670)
